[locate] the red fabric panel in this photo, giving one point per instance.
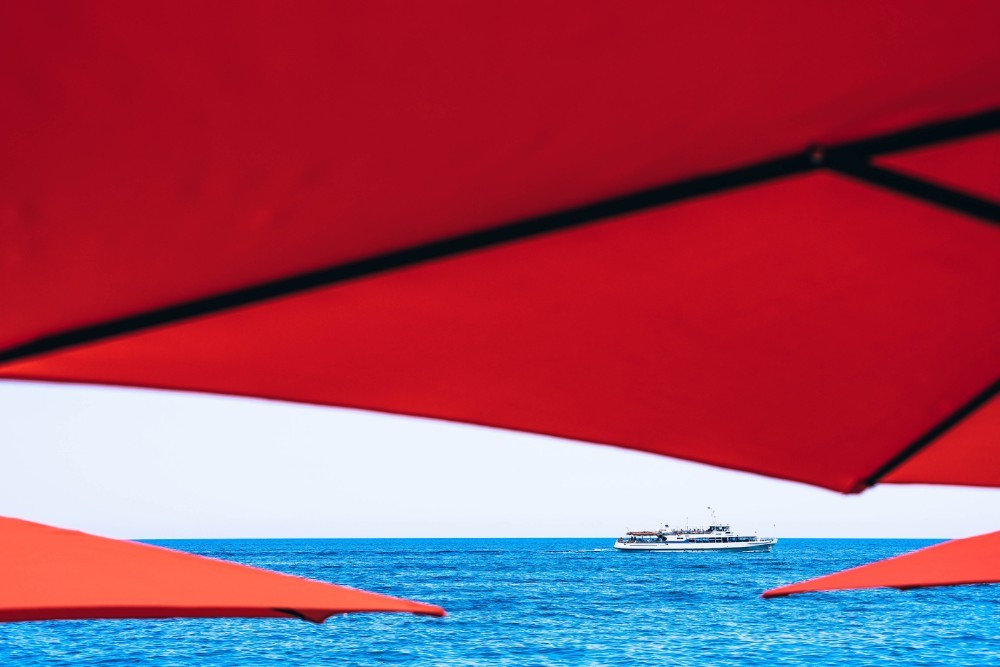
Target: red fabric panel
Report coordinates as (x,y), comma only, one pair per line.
(973,560)
(966,454)
(808,329)
(51,573)
(158,151)
(971,165)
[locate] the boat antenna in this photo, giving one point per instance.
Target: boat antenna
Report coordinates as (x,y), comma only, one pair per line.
(713,515)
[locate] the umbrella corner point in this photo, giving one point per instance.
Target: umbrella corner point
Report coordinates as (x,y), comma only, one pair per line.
(779,592)
(858,487)
(432,610)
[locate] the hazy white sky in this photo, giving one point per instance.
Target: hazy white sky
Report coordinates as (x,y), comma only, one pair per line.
(145,464)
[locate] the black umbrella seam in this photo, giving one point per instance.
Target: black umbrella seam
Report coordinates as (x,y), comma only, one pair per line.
(855,166)
(929,437)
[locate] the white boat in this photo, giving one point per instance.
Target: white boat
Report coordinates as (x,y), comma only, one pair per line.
(714,537)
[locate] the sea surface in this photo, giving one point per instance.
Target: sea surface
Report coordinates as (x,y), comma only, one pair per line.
(553,602)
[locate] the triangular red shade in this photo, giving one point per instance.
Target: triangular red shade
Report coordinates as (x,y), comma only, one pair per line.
(49,573)
(972,560)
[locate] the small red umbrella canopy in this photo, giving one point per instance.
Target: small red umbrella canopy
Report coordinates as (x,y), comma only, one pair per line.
(50,573)
(967,561)
(759,236)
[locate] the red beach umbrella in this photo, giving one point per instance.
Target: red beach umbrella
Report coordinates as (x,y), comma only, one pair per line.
(49,573)
(971,560)
(616,228)
(758,236)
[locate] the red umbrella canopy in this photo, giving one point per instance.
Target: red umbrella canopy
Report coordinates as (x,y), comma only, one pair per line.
(611,226)
(969,561)
(49,573)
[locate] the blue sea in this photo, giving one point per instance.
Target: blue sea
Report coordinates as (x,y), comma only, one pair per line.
(553,602)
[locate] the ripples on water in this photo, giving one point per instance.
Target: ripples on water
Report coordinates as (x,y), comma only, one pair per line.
(553,602)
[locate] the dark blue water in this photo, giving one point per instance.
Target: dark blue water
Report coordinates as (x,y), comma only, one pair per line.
(553,602)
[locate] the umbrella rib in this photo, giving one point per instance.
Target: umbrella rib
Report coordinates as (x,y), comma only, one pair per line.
(930,436)
(524,229)
(854,159)
(834,158)
(854,166)
(931,133)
